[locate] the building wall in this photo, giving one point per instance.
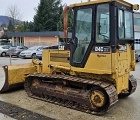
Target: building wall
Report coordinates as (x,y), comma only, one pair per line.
(137,30)
(137,40)
(47,41)
(137,35)
(137,22)
(17,41)
(34,41)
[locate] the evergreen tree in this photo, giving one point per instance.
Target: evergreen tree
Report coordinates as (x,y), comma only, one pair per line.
(70,20)
(20,28)
(11,26)
(60,24)
(25,26)
(31,26)
(47,15)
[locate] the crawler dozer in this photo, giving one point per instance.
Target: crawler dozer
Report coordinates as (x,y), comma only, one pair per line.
(95,70)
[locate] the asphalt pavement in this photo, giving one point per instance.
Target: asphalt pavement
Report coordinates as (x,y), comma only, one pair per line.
(12,61)
(5,117)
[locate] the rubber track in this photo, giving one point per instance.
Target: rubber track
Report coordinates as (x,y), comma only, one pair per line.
(133,83)
(108,87)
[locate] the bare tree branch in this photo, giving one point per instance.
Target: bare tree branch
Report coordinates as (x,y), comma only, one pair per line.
(14,13)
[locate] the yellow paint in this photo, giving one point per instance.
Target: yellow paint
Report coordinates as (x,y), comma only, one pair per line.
(122,83)
(103,1)
(99,62)
(17,73)
(97,98)
(122,62)
(112,66)
(55,58)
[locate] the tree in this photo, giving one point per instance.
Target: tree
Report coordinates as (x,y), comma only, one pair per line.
(25,27)
(47,15)
(20,28)
(31,26)
(60,24)
(11,26)
(14,14)
(70,20)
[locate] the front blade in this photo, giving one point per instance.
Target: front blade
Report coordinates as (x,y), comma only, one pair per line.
(13,76)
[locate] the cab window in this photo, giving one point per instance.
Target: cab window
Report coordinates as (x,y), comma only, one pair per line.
(125,24)
(102,24)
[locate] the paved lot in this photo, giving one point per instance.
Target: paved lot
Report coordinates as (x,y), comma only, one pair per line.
(125,109)
(14,60)
(5,117)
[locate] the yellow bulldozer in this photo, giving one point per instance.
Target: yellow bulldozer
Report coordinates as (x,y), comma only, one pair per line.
(95,71)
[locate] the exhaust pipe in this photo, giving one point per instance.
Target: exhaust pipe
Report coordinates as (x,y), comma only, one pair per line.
(66,21)
(14,76)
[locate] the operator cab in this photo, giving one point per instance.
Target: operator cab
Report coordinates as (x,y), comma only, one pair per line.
(100,27)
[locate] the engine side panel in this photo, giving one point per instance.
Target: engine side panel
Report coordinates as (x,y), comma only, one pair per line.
(55,58)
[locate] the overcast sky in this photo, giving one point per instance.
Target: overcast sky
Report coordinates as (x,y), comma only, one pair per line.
(27,7)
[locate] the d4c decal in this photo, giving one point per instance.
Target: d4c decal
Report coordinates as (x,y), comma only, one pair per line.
(101,49)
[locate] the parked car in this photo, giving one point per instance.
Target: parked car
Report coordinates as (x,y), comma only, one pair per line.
(3,50)
(39,53)
(31,52)
(137,56)
(15,50)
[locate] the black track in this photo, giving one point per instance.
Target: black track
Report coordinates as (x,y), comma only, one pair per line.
(107,87)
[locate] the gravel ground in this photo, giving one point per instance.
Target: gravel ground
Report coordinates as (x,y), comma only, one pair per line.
(125,109)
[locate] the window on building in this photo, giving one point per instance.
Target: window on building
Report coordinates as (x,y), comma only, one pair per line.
(137,21)
(137,41)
